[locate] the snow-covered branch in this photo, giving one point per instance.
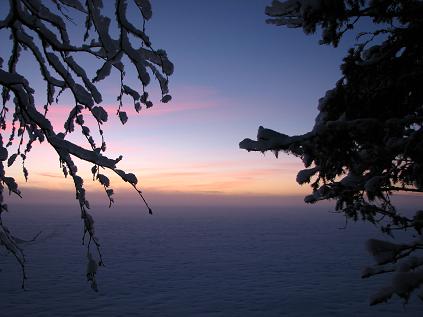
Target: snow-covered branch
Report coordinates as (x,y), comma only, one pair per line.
(366,143)
(42,28)
(336,17)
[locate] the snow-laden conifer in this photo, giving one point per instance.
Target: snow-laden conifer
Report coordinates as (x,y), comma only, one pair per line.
(367,141)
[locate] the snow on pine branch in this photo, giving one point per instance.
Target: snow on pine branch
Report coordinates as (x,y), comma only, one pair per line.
(366,143)
(393,257)
(336,17)
(42,28)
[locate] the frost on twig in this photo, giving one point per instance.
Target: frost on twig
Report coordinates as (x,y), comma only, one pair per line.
(367,140)
(42,29)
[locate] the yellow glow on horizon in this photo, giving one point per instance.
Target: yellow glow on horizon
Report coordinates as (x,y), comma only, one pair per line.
(169,168)
(194,179)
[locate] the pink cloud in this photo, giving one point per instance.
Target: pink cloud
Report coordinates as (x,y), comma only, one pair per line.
(187,98)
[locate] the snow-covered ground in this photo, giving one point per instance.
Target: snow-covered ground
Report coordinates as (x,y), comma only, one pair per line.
(195,262)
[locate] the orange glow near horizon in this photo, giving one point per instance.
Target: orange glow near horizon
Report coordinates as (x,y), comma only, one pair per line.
(173,151)
(244,174)
(225,177)
(179,150)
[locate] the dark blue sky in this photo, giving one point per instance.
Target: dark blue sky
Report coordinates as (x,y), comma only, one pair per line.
(227,46)
(233,72)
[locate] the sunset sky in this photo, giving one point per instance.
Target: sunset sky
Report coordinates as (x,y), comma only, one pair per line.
(233,73)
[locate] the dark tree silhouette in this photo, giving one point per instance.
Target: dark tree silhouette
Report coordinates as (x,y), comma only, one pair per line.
(42,29)
(367,141)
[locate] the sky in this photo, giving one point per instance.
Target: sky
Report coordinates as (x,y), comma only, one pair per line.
(233,73)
